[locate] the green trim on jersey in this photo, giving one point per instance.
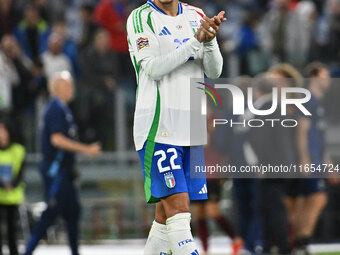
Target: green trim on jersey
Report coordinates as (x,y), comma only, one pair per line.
(155,122)
(134,22)
(140,18)
(137,18)
(149,150)
(137,68)
(149,22)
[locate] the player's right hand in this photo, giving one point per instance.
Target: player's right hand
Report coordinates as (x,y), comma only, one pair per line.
(93,149)
(209,27)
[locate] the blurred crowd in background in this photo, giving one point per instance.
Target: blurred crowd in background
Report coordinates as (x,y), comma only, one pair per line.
(88,38)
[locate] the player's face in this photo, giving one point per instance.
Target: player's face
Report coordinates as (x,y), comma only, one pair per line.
(69,90)
(65,90)
(278,79)
(324,79)
(4,136)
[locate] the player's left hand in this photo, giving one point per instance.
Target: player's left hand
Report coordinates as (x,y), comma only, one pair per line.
(210,26)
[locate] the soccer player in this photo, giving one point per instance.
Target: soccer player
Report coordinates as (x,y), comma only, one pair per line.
(271,147)
(311,147)
(170,42)
(58,148)
(232,141)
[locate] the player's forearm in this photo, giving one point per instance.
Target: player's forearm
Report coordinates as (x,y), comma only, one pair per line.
(62,142)
(212,60)
(159,66)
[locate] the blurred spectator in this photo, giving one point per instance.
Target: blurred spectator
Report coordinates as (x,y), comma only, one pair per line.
(205,209)
(69,47)
(249,44)
(104,72)
(9,17)
(12,156)
(54,60)
(89,26)
(100,82)
(285,75)
(38,85)
(271,146)
(307,13)
(319,4)
(312,151)
(22,93)
(334,30)
(8,74)
(32,33)
(233,141)
(111,15)
(42,7)
(39,81)
(282,32)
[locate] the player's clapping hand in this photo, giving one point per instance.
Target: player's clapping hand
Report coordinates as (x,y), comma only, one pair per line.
(209,27)
(93,149)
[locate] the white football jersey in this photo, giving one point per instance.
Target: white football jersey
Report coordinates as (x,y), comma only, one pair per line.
(162,112)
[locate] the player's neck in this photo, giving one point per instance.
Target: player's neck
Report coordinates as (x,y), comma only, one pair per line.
(170,9)
(62,100)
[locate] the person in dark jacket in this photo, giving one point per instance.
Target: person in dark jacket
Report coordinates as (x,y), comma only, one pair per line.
(99,83)
(9,17)
(32,33)
(57,167)
(271,146)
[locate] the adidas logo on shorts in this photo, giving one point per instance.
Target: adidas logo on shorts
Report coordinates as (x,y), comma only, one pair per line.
(204,190)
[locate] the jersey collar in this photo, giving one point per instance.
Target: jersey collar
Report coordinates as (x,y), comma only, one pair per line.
(61,103)
(180,7)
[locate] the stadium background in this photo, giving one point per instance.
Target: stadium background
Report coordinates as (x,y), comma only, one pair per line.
(88,39)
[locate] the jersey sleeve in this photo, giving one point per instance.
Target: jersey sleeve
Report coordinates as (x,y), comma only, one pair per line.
(212,59)
(141,37)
